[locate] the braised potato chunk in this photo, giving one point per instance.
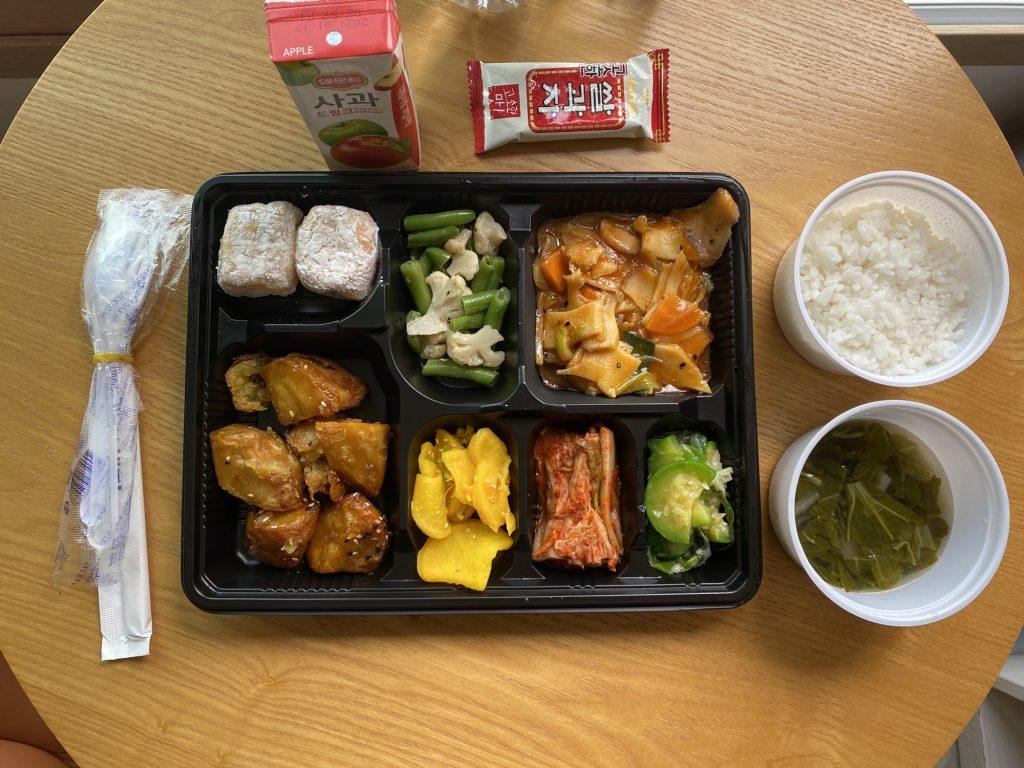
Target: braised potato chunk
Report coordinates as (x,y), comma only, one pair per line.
(248,390)
(302,440)
(306,386)
(351,537)
(319,476)
(357,451)
(281,538)
(257,467)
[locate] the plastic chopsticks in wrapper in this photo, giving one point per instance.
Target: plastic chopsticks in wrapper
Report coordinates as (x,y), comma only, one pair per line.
(134,259)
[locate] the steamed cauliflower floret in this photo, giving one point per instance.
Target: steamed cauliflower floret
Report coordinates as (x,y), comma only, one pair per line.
(434,346)
(487,235)
(464,262)
(458,243)
(475,348)
(445,303)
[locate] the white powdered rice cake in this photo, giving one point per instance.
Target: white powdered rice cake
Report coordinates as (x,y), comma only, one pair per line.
(336,252)
(257,250)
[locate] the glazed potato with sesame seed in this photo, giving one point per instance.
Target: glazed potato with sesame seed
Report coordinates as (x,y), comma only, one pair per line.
(280,538)
(248,391)
(351,536)
(320,478)
(357,450)
(309,386)
(256,466)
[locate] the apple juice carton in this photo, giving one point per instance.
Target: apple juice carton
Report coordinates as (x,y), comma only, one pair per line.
(343,62)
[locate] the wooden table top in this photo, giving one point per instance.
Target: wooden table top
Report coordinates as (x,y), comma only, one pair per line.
(792,100)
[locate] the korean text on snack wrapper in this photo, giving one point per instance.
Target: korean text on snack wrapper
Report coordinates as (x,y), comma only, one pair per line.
(529,101)
(134,259)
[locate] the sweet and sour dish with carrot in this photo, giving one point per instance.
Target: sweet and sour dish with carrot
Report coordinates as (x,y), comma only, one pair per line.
(622,302)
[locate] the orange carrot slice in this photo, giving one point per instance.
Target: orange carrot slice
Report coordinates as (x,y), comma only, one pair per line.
(692,341)
(672,315)
(554,267)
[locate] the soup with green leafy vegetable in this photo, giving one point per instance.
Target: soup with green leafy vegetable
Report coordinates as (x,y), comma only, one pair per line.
(868,508)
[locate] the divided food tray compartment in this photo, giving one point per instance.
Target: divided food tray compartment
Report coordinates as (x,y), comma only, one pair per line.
(367,337)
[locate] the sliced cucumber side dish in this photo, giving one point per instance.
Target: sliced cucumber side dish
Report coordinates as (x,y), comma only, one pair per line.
(687,502)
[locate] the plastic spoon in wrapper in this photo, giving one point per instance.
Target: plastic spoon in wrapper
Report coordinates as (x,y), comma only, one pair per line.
(114,285)
(136,255)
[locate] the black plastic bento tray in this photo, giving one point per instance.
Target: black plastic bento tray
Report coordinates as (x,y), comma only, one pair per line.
(367,337)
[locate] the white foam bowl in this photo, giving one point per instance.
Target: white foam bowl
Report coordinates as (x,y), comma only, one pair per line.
(972,487)
(952,215)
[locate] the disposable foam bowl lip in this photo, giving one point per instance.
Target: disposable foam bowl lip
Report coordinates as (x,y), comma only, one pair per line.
(952,215)
(975,501)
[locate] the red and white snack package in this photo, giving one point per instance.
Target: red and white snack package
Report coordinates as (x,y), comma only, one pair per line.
(530,101)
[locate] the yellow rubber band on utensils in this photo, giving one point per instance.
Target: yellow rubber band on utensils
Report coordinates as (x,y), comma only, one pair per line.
(111,357)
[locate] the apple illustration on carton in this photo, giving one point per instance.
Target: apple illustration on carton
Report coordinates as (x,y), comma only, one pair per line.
(297,72)
(389,80)
(370,151)
(346,129)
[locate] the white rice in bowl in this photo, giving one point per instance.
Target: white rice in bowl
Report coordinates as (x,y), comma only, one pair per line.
(884,292)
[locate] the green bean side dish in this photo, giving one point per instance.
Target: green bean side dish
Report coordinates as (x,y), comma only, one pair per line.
(454,276)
